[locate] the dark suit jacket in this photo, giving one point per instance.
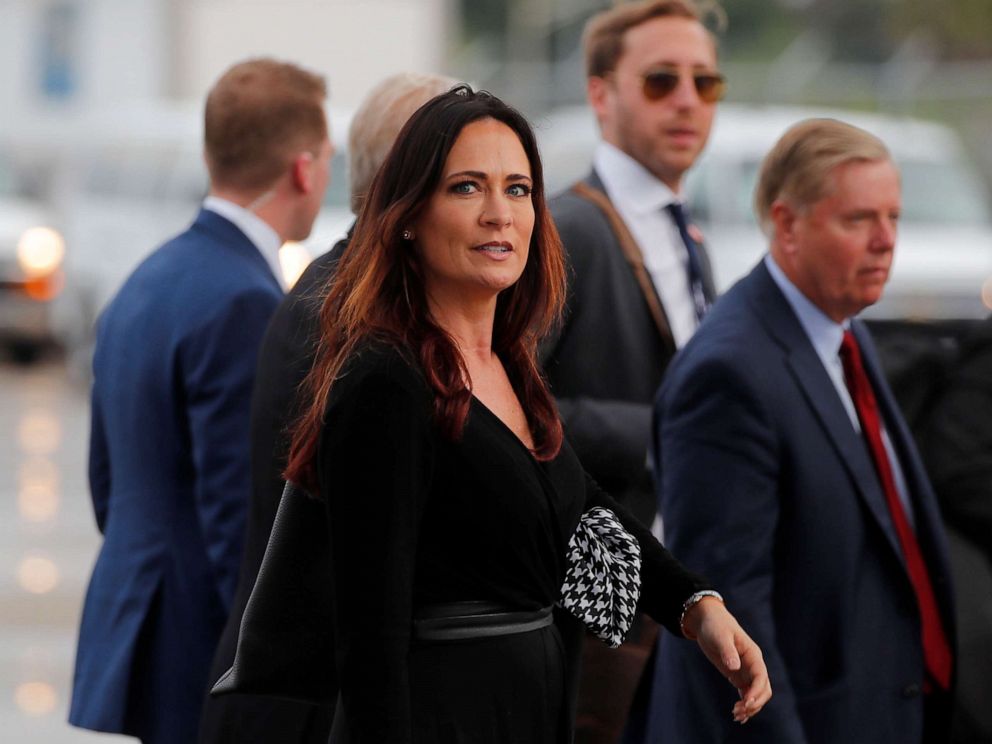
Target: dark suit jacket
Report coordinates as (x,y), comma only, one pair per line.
(285,358)
(607,361)
(173,370)
(957,441)
(768,489)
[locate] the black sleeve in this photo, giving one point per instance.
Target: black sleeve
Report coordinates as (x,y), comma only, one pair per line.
(375,467)
(957,446)
(665,583)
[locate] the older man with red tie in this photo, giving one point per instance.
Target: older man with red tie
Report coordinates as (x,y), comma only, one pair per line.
(789,477)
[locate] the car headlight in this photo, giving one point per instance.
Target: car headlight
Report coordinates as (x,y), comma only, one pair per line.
(40,251)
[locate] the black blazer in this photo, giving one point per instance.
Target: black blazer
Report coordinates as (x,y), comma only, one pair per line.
(416,519)
(608,359)
(285,358)
(957,442)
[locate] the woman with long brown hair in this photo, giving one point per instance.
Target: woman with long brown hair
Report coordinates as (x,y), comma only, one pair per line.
(436,446)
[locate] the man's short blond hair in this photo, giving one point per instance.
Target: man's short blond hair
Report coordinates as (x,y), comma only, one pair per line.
(797,169)
(258,116)
(602,39)
(379,118)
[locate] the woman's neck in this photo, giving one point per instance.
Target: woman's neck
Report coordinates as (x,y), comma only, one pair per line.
(471,327)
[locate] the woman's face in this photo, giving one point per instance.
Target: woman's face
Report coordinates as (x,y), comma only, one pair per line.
(474,233)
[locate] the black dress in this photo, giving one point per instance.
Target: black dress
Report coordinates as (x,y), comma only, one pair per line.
(418,520)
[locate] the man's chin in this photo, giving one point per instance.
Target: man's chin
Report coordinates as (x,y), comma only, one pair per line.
(867,300)
(669,170)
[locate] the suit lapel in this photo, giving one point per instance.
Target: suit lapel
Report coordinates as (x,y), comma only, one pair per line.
(227,234)
(592,190)
(805,366)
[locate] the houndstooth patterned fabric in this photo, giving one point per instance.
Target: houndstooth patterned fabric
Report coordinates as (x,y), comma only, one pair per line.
(603,580)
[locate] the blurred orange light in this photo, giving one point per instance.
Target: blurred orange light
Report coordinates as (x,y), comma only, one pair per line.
(38,492)
(35,698)
(44,288)
(39,432)
(38,575)
(987,293)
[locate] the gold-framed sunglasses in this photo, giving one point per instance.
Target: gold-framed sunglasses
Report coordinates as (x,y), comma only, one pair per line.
(656,84)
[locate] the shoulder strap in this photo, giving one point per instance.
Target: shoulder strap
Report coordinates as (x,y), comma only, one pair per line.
(632,253)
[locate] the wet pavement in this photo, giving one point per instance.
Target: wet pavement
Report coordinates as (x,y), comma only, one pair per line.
(48,542)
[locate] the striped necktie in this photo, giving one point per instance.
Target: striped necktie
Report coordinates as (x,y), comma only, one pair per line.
(693,266)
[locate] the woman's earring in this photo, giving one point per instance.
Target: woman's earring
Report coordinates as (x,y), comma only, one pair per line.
(407,235)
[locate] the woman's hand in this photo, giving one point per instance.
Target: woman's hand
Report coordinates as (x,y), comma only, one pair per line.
(732,651)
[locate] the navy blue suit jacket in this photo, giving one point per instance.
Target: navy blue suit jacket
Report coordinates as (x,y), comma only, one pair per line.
(170,478)
(767,488)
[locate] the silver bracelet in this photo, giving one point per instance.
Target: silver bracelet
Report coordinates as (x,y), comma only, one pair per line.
(693,600)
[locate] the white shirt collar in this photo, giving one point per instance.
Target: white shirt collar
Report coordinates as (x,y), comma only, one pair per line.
(257,230)
(630,183)
(825,335)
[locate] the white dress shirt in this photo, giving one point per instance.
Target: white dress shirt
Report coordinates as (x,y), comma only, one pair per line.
(640,198)
(825,335)
(257,230)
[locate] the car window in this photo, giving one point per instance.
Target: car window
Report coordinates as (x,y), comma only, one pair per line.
(932,192)
(6,178)
(721,190)
(11,181)
(152,174)
(100,176)
(942,193)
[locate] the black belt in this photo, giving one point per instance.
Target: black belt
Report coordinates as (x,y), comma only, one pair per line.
(456,621)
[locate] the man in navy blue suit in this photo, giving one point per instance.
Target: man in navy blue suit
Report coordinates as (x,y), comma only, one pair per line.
(173,370)
(788,475)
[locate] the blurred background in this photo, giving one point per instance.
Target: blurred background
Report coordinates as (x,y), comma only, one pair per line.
(100,162)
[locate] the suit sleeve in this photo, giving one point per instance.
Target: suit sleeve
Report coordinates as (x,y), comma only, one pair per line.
(219,369)
(610,436)
(375,466)
(99,465)
(720,501)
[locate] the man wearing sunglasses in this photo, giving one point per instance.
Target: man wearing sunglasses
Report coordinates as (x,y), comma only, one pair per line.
(640,281)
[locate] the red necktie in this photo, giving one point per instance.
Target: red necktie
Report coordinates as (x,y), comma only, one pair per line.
(936,650)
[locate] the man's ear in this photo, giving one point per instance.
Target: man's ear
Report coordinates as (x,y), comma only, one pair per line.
(783,218)
(597,91)
(302,172)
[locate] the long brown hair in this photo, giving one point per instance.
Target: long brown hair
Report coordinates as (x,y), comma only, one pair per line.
(378,290)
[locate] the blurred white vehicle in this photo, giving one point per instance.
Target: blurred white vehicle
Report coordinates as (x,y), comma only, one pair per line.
(943,258)
(31,256)
(134,179)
